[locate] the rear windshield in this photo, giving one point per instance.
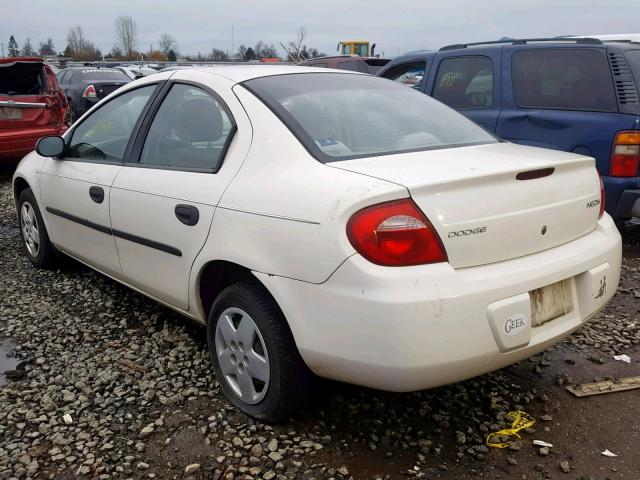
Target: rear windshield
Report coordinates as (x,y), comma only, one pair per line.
(344,116)
(101,75)
(21,79)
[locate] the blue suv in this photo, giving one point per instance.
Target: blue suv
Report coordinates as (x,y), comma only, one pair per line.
(577,95)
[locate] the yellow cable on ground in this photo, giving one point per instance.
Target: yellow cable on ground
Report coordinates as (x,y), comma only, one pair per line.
(521,420)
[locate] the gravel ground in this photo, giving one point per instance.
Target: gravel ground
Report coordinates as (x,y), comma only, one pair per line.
(112,385)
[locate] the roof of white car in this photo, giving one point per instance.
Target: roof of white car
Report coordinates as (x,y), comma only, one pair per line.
(240,73)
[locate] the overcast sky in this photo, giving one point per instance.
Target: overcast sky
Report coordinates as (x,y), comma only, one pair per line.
(395,26)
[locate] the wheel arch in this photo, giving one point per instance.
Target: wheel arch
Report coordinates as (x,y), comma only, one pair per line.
(20,184)
(216,275)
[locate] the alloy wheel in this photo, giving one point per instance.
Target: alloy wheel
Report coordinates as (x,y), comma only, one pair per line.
(30,229)
(242,355)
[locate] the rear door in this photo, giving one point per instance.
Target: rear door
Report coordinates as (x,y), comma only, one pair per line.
(470,83)
(162,203)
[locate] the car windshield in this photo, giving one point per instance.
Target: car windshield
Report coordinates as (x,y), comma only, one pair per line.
(346,116)
(101,75)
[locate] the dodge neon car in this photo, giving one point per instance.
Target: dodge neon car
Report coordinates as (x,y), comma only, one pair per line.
(324,222)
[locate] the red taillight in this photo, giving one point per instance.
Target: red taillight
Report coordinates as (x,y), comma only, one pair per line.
(90,92)
(395,234)
(602,197)
(625,160)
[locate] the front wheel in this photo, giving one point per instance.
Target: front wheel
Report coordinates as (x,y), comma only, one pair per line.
(255,358)
(35,239)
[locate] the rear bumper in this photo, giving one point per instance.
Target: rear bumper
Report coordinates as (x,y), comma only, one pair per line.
(622,195)
(629,204)
(405,329)
(16,144)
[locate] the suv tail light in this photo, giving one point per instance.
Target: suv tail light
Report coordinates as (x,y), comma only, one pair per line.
(602,197)
(395,234)
(625,160)
(90,92)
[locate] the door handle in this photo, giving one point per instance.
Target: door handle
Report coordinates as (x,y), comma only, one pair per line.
(187,214)
(96,194)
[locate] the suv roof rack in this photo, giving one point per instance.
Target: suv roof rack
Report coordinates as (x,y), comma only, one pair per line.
(524,41)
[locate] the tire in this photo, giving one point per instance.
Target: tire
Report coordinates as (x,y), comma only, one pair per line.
(35,239)
(239,367)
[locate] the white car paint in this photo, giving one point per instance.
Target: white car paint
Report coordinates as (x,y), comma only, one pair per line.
(277,211)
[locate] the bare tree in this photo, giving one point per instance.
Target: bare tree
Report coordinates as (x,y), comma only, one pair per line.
(167,43)
(296,49)
(79,47)
(75,39)
(126,34)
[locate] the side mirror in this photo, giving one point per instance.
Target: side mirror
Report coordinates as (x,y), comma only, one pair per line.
(50,146)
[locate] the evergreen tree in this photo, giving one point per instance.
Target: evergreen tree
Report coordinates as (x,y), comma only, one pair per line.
(14,51)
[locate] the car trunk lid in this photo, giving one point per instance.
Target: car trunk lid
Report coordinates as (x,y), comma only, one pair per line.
(495,202)
(105,88)
(28,99)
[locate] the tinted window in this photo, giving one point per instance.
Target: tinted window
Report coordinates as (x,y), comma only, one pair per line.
(633,56)
(190,131)
(104,134)
(342,116)
(320,65)
(409,74)
(568,79)
(465,82)
(61,76)
(102,75)
(351,65)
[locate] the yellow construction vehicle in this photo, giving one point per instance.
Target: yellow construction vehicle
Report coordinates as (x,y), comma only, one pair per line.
(355,47)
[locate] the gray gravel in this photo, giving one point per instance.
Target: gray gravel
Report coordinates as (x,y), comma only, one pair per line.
(116,386)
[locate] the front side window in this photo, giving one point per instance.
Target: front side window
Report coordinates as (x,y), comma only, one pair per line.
(563,78)
(344,116)
(465,82)
(409,74)
(104,134)
(191,131)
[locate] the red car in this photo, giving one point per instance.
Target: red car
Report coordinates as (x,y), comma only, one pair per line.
(31,105)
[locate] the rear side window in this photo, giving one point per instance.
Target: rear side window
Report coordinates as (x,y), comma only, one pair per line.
(409,74)
(564,79)
(465,82)
(633,56)
(191,131)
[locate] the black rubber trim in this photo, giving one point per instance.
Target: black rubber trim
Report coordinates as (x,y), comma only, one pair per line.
(148,243)
(125,236)
(81,221)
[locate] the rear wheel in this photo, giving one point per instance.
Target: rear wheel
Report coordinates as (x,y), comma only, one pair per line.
(35,239)
(255,358)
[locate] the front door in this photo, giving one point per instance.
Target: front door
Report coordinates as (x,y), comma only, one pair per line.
(76,188)
(162,205)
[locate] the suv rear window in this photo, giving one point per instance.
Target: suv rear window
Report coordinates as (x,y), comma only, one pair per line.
(565,79)
(344,116)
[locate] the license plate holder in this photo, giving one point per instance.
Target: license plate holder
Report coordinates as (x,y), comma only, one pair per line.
(550,302)
(10,113)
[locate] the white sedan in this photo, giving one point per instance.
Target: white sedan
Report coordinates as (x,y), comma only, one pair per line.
(324,222)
